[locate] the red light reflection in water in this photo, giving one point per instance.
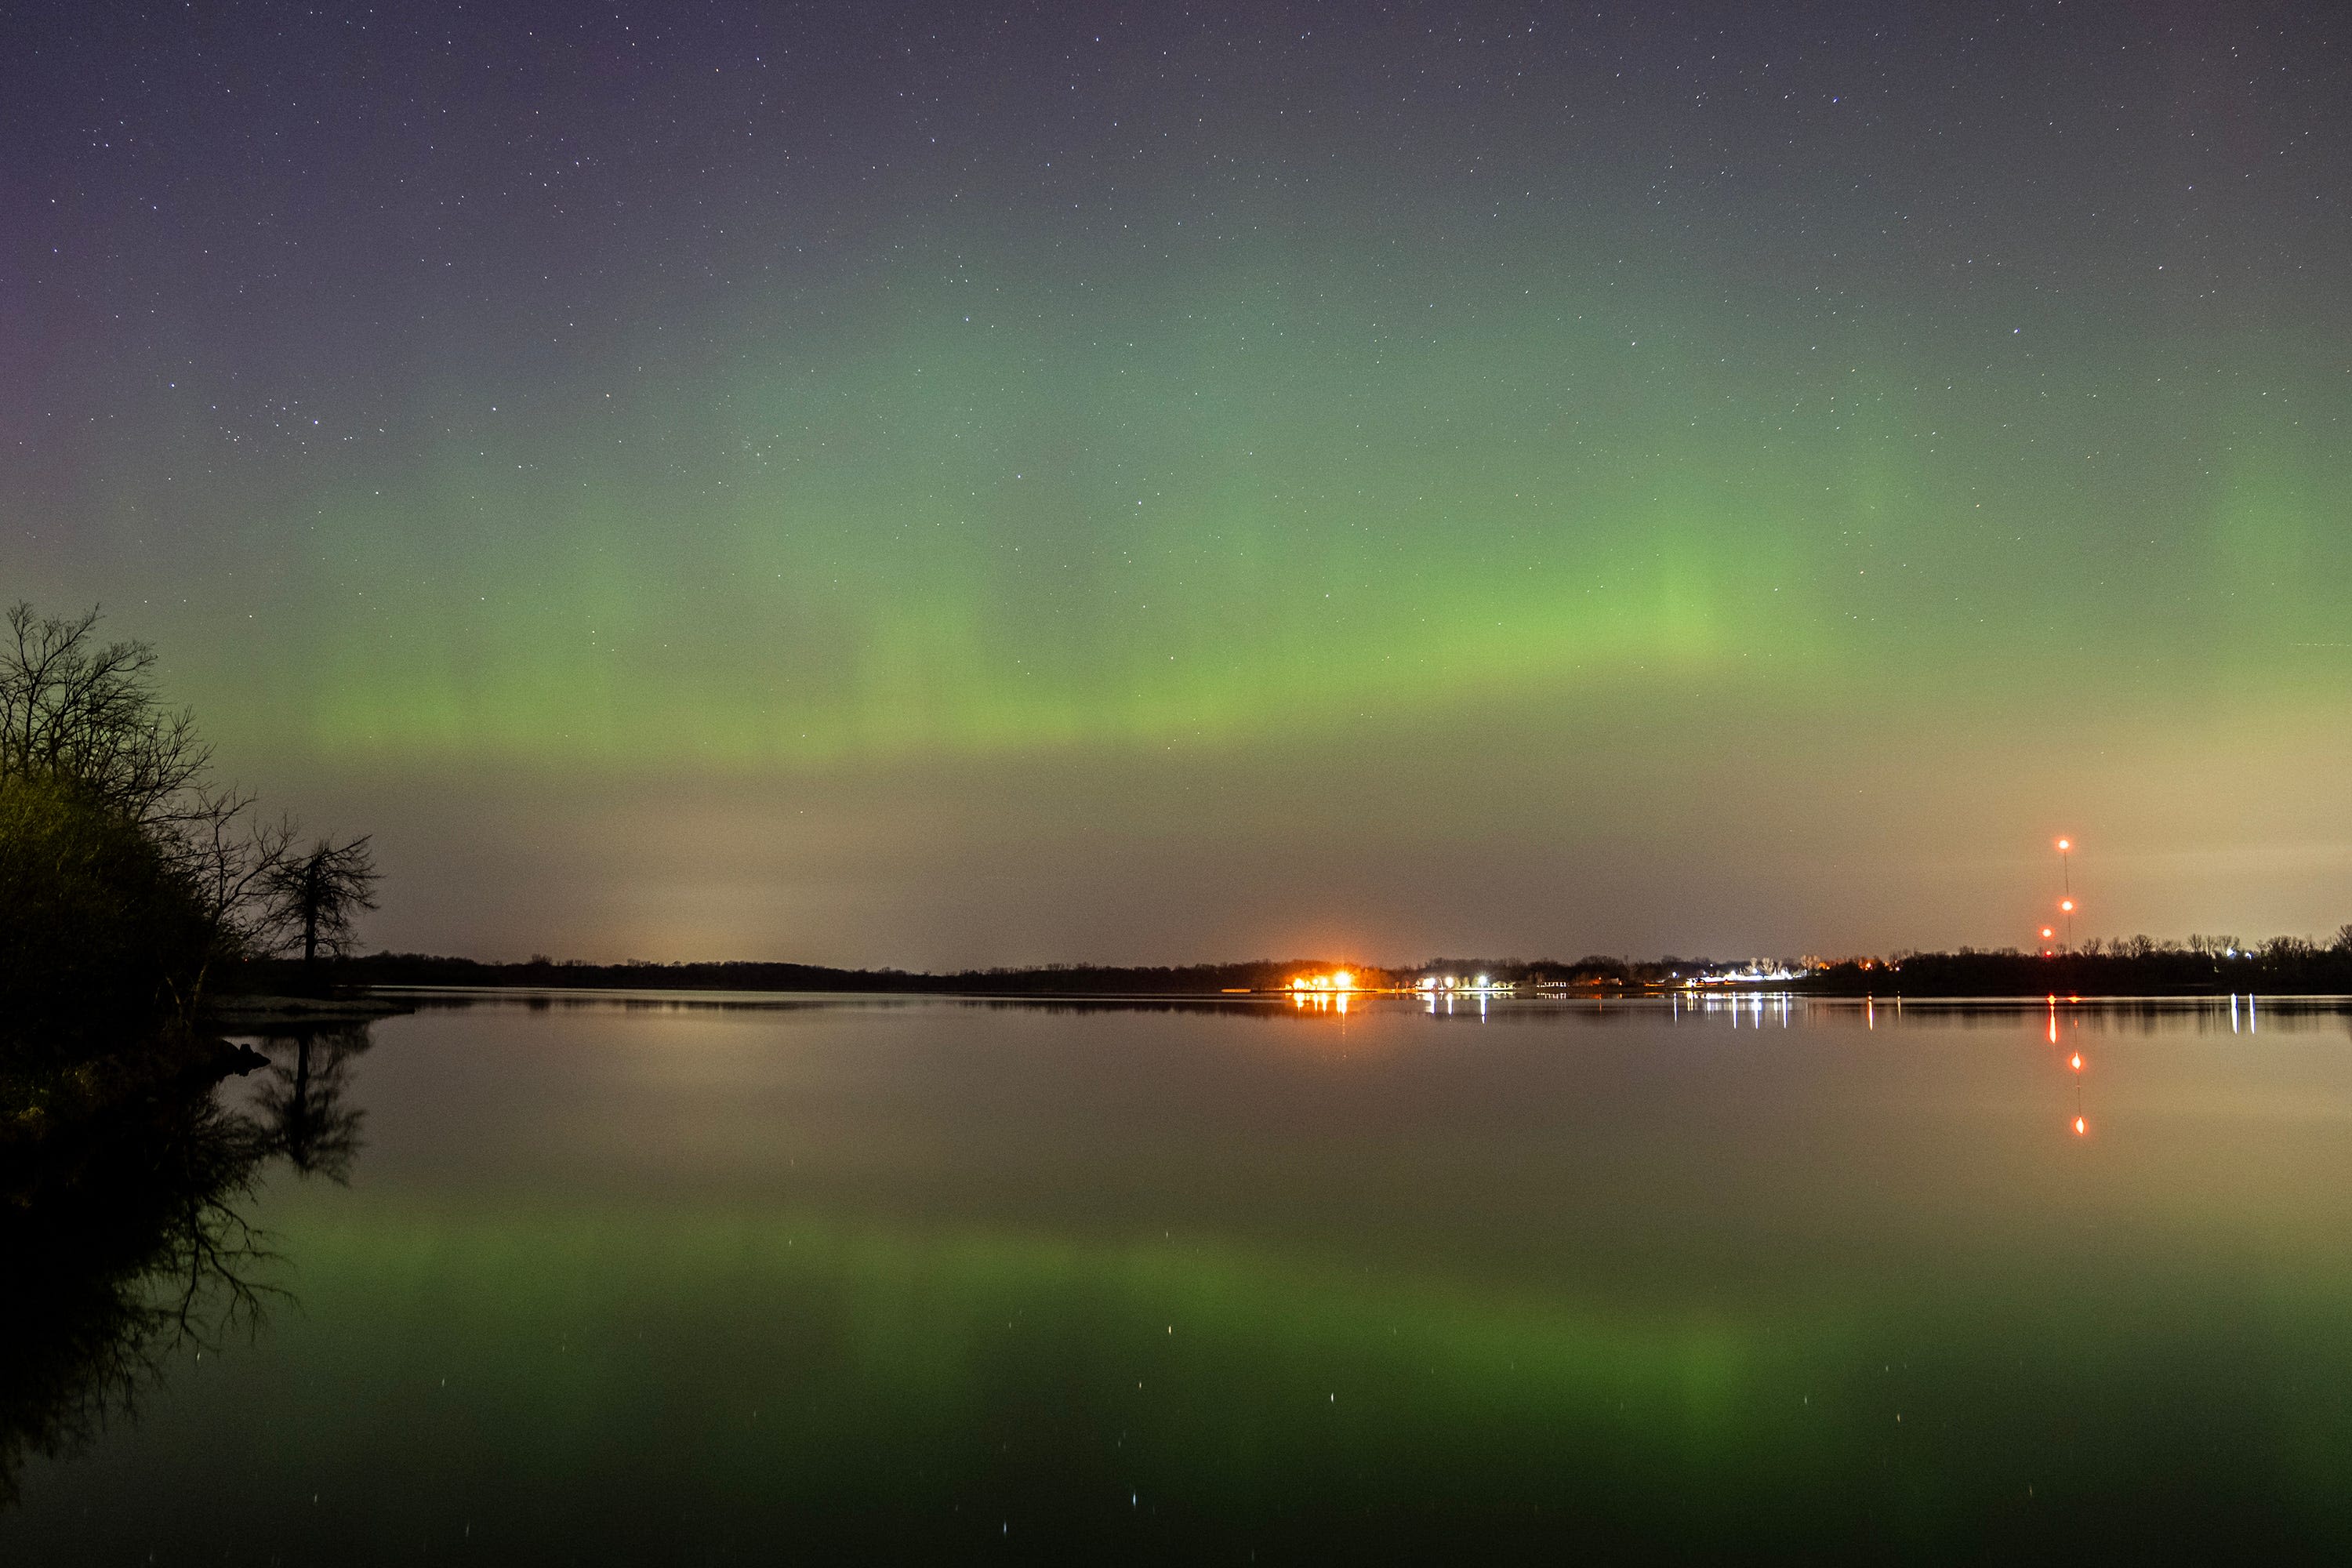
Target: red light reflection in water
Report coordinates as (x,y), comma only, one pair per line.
(2073,1061)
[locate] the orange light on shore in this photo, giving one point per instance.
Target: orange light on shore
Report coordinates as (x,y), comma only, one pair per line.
(2064,845)
(2067,905)
(1342,980)
(2079,1127)
(2077,1063)
(2047,933)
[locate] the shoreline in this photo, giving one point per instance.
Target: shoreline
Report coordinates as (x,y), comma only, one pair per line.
(967,994)
(244,1012)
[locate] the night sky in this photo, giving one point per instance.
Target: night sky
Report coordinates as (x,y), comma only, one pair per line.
(936,485)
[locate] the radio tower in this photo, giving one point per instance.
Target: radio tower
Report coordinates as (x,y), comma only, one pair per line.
(2066,876)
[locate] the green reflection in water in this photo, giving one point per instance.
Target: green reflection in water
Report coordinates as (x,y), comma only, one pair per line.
(1180,1392)
(614,1287)
(993,1366)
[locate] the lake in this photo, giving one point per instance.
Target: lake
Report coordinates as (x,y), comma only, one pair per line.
(734,1278)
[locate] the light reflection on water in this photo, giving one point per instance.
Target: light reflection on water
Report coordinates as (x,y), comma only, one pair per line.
(681,1278)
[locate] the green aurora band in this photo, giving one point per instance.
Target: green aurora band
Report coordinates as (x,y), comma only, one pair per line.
(1196,519)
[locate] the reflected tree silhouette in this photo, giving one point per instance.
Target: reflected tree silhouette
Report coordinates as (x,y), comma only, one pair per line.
(124,1230)
(304,1101)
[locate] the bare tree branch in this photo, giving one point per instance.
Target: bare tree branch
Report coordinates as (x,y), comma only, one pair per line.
(86,714)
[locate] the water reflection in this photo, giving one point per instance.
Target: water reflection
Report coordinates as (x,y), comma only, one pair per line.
(124,1230)
(2080,1122)
(878,1278)
(305,1104)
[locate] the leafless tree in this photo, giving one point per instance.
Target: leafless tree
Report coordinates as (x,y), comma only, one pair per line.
(312,894)
(83,716)
(85,713)
(230,860)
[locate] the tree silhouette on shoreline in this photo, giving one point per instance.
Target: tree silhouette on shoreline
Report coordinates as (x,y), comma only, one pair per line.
(127,877)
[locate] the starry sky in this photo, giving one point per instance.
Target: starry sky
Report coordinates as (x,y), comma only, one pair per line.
(927,484)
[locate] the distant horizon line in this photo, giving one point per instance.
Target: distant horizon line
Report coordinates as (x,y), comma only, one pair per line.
(2137,947)
(2141,964)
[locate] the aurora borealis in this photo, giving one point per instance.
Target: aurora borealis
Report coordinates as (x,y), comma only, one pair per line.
(927,485)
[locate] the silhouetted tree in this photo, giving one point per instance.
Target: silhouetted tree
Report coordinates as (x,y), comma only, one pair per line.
(124,876)
(83,713)
(315,894)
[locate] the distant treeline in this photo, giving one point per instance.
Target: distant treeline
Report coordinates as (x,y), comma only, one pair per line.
(2138,966)
(1049,980)
(1055,979)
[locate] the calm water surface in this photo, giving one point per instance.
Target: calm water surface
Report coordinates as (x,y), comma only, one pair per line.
(631,1280)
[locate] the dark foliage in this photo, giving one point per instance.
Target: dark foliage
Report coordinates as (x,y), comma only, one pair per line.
(126,880)
(2136,967)
(1059,980)
(99,933)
